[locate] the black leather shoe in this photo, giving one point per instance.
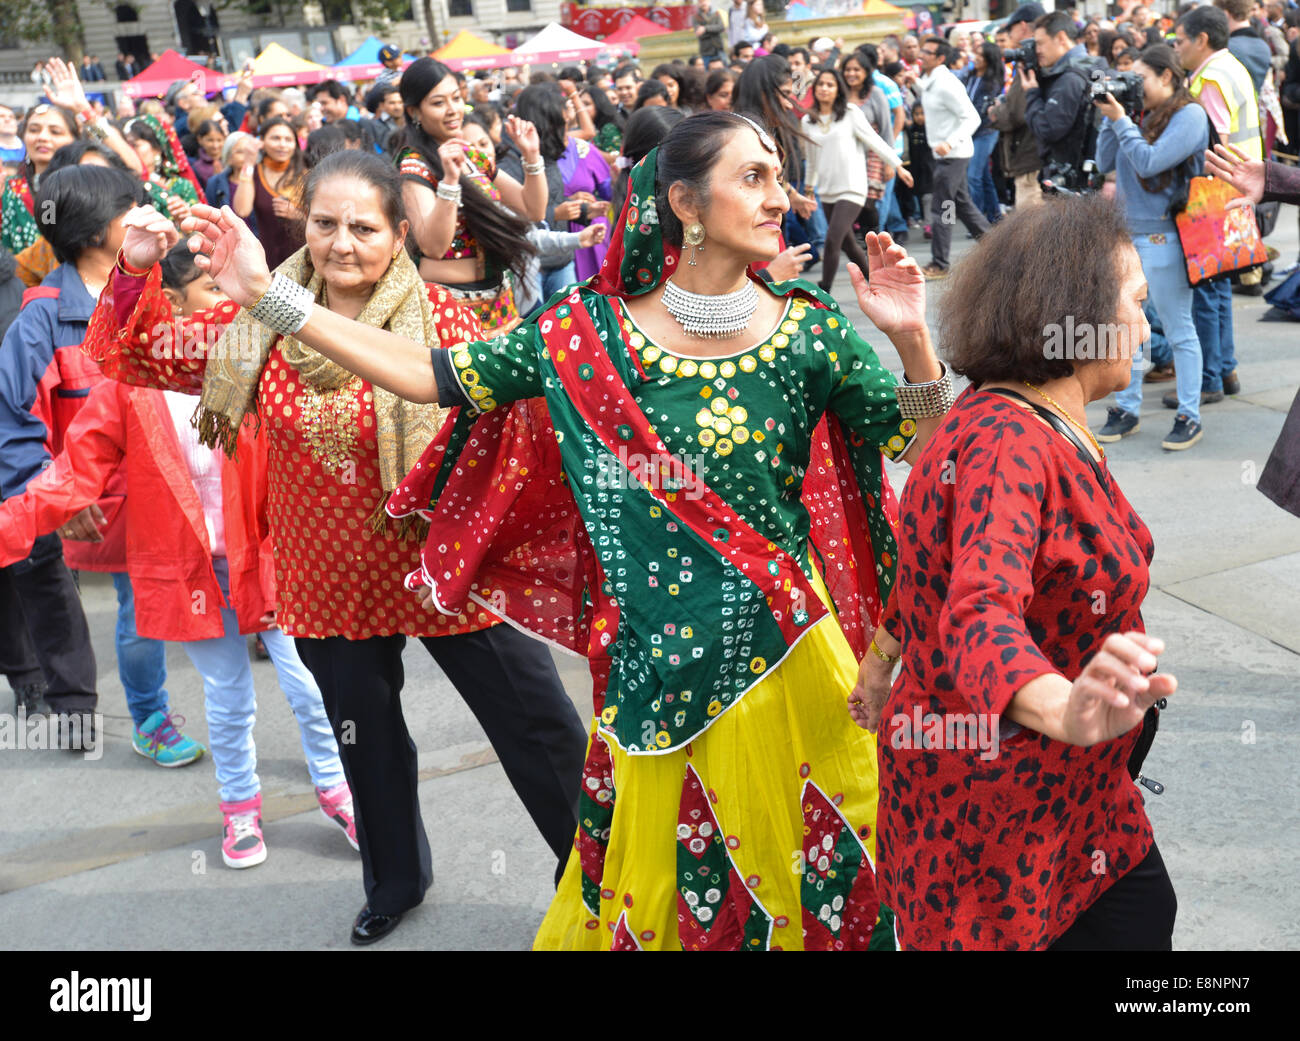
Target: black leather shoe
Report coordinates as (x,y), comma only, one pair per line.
(77,731)
(370,927)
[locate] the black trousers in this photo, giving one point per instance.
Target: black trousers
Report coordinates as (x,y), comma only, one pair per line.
(509,682)
(42,590)
(18,661)
(1135,914)
(949,203)
(841,236)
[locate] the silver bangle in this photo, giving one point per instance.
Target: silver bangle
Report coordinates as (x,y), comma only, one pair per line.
(98,128)
(284,307)
(924,400)
(537,169)
(450,192)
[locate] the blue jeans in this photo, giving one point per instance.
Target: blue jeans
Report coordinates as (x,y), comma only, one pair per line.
(979,177)
(558,278)
(1158,350)
(1169,294)
(891,217)
(141,663)
(230,704)
(810,229)
(1212,312)
(815,226)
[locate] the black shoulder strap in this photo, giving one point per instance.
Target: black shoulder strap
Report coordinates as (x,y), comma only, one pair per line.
(1065,430)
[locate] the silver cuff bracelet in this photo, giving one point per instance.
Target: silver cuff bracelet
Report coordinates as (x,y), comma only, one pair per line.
(925,400)
(284,307)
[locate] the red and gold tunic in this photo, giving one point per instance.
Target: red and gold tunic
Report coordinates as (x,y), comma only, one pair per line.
(333,575)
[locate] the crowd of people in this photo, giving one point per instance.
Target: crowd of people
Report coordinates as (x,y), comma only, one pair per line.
(429,357)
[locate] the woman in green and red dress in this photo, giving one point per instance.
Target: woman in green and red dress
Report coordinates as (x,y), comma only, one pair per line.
(705,519)
(168,179)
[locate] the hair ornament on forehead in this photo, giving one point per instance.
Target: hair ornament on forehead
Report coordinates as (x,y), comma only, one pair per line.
(763,136)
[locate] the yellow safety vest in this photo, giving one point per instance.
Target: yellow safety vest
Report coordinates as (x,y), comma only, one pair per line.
(1233,81)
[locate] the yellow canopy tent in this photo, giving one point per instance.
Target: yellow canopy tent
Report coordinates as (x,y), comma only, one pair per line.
(467,51)
(279,67)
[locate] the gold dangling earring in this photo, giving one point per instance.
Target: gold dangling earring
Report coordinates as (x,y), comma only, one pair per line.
(694,237)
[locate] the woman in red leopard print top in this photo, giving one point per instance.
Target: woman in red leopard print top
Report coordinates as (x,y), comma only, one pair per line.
(1008,816)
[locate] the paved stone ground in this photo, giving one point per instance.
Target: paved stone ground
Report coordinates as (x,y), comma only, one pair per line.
(118,854)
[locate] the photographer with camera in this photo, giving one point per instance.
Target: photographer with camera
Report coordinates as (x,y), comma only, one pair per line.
(1019,147)
(1153,164)
(1058,105)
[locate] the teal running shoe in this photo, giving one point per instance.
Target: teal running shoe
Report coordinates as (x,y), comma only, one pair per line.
(159,738)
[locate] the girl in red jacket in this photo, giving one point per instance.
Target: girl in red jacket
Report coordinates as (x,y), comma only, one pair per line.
(200,564)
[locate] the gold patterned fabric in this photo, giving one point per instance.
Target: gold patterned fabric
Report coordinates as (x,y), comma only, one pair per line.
(399,304)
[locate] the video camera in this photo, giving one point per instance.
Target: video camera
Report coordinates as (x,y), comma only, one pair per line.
(1124,87)
(1064,179)
(1026,55)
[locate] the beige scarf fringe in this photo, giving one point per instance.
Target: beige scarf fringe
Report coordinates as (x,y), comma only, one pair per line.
(399,304)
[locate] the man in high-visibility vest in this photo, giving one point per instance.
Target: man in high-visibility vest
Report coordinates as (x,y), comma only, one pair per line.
(1223,87)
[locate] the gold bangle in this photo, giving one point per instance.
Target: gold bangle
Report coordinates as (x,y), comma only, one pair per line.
(129,269)
(882,655)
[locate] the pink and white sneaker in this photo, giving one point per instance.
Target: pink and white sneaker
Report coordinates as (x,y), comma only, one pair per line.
(336,805)
(241,834)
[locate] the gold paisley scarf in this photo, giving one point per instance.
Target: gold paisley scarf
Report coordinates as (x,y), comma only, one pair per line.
(399,304)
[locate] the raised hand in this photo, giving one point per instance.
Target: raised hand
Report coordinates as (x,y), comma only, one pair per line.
(452,155)
(789,263)
(149,235)
(894,298)
(64,88)
(229,252)
(525,136)
(1115,689)
(1239,170)
(177,208)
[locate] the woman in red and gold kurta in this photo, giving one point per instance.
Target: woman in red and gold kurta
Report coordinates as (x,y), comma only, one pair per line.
(1009,817)
(337,446)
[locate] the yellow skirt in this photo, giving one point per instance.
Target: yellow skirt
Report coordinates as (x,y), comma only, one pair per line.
(757,835)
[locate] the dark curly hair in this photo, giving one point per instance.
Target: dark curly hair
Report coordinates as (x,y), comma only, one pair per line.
(1047,268)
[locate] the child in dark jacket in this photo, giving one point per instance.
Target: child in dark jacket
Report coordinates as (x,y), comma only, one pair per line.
(920,163)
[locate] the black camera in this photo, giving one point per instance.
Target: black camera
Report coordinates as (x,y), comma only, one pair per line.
(1057,178)
(1124,87)
(1026,55)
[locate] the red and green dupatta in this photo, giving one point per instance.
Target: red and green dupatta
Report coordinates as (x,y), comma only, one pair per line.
(570,517)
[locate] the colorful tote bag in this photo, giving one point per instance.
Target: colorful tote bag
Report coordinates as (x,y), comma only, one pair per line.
(1217,240)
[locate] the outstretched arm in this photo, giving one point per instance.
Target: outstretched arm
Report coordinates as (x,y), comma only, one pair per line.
(894,301)
(228,251)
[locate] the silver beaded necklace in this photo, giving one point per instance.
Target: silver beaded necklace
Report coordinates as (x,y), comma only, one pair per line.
(711,316)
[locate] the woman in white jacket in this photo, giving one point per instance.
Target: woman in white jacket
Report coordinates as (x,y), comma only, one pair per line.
(838,138)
